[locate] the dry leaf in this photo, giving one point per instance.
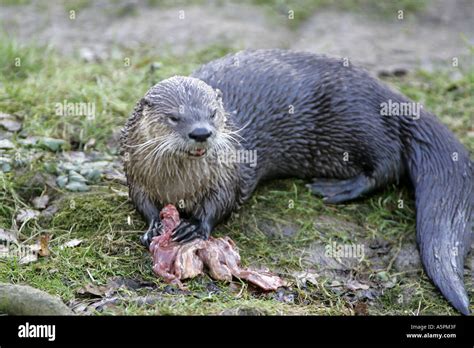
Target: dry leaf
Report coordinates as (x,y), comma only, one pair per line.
(92,289)
(355,285)
(32,257)
(71,244)
(44,245)
(26,214)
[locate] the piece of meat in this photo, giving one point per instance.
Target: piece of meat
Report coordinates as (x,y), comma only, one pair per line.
(219,256)
(217,260)
(163,250)
(188,264)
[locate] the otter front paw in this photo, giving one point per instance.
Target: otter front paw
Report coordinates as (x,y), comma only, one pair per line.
(153,230)
(187,231)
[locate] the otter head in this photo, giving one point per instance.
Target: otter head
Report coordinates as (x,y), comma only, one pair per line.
(185,117)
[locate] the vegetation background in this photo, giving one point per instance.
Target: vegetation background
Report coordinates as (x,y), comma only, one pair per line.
(61,177)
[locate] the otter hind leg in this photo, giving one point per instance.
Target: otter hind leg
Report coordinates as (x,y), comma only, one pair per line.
(337,191)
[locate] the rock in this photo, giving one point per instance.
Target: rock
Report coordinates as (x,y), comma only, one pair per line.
(245,311)
(316,254)
(6,144)
(274,228)
(76,177)
(155,66)
(49,212)
(5,164)
(76,186)
(51,144)
(87,54)
(61,181)
(6,134)
(77,157)
(92,175)
(328,224)
(75,182)
(408,258)
(29,141)
(9,122)
(383,276)
(25,300)
(40,202)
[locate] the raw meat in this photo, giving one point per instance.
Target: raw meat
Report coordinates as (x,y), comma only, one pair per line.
(218,256)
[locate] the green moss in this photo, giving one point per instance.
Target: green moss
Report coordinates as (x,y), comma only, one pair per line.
(94,213)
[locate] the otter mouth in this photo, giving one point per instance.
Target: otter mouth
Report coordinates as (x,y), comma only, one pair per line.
(197,153)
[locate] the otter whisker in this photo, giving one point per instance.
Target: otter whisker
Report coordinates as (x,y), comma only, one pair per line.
(230,139)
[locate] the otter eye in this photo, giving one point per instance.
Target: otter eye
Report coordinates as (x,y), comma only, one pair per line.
(173,119)
(213,114)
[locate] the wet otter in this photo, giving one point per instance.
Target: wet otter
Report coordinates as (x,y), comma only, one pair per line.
(307,116)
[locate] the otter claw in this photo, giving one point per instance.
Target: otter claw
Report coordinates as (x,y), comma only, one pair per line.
(187,231)
(153,230)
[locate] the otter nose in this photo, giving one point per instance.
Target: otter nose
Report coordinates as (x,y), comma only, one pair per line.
(200,134)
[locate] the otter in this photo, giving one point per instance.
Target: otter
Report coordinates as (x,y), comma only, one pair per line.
(306,116)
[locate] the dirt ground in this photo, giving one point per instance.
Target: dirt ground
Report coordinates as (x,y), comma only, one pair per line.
(432,35)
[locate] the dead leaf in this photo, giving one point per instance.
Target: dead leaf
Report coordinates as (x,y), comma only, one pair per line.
(44,245)
(335,284)
(119,193)
(92,289)
(26,215)
(361,308)
(116,176)
(305,277)
(355,285)
(71,244)
(90,144)
(31,257)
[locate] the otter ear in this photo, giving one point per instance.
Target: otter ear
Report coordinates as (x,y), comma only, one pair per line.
(218,95)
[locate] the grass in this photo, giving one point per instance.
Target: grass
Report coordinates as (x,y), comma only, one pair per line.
(109,226)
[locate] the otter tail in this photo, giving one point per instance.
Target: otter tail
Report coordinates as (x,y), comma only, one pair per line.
(441,173)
